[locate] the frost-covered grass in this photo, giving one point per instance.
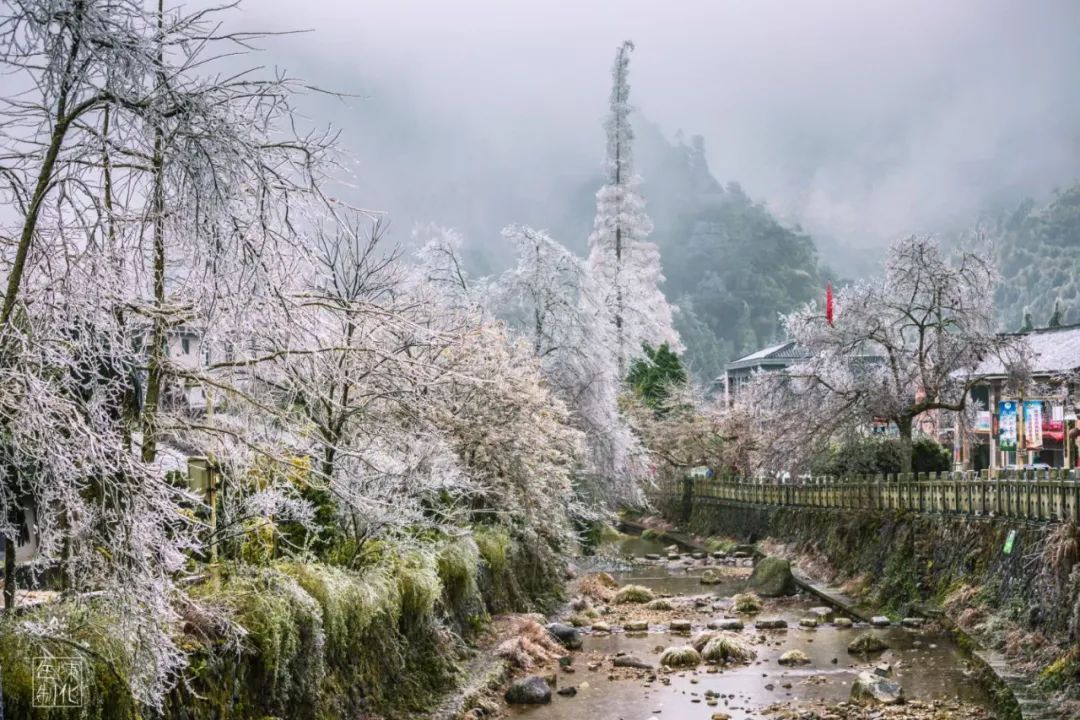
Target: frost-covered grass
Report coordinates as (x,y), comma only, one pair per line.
(89,626)
(746,603)
(683,656)
(494,546)
(727,649)
(457,563)
(720,544)
(633,594)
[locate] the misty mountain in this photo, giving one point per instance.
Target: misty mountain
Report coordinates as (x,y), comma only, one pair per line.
(1038,251)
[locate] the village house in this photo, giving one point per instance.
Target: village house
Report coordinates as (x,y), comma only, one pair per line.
(1035,428)
(771,359)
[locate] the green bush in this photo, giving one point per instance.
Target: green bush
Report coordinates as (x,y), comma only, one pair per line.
(873,456)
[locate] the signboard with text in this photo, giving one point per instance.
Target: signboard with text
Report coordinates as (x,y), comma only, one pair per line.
(1007,425)
(1033,424)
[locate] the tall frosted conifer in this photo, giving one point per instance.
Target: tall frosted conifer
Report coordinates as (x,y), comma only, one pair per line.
(623,265)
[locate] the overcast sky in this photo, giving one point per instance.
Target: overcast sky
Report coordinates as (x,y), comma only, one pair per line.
(861,120)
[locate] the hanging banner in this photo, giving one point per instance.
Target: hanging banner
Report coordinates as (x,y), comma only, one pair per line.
(1033,424)
(984,421)
(1006,425)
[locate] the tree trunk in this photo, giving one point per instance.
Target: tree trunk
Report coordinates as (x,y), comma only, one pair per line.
(157,351)
(9,574)
(904,425)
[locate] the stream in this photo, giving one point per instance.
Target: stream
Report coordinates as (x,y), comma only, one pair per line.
(928,665)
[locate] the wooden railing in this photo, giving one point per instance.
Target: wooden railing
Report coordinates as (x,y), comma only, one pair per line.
(1036,495)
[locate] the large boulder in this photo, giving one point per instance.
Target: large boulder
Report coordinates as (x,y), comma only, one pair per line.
(772,578)
(871,689)
(711,577)
(866,644)
(794,657)
(566,634)
(532,690)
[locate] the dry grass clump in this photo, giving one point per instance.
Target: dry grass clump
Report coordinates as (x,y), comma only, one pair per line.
(970,618)
(530,644)
(598,586)
(858,586)
(682,656)
(727,649)
(659,604)
(746,603)
(960,596)
(633,594)
(1020,643)
(1059,553)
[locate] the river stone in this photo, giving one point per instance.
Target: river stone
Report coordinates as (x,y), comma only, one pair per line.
(636,625)
(711,577)
(566,634)
(726,624)
(880,621)
(630,661)
(866,643)
(823,614)
(883,670)
(698,555)
(719,555)
(679,626)
(568,691)
(913,622)
(601,627)
(808,622)
(652,556)
(842,622)
(673,556)
(772,578)
(794,657)
(533,690)
(770,623)
(871,689)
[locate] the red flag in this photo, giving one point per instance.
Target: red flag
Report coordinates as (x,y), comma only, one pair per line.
(828,304)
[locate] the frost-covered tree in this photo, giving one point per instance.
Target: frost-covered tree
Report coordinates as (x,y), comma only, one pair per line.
(149,193)
(623,265)
(549,299)
(541,294)
(904,347)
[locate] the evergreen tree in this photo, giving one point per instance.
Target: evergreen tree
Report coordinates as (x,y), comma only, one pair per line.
(623,265)
(1055,319)
(653,375)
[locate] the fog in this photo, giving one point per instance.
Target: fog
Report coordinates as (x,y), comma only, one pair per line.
(860,121)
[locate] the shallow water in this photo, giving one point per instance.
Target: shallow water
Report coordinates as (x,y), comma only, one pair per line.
(927,666)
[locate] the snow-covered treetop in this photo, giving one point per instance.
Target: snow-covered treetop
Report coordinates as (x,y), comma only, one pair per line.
(620,136)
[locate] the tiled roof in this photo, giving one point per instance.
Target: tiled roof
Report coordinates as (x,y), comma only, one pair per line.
(1053,350)
(784,351)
